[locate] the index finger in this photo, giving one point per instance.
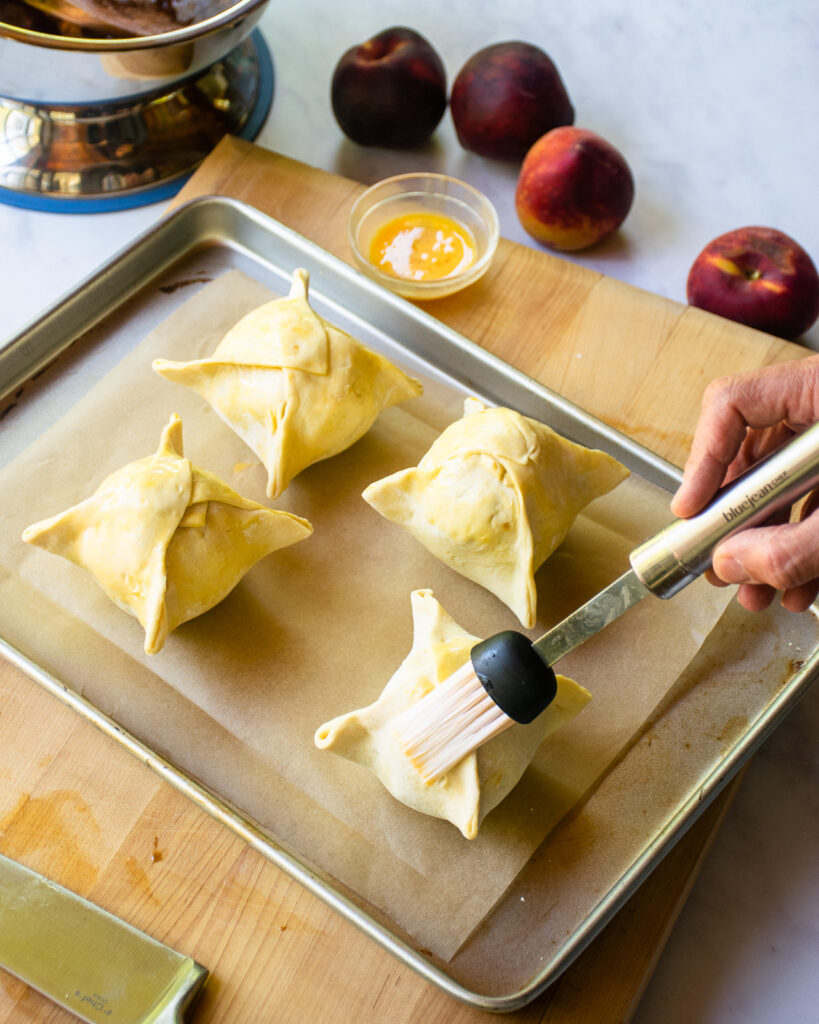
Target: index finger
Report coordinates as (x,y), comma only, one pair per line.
(785,393)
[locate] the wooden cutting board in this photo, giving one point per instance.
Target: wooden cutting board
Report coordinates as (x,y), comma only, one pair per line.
(76,806)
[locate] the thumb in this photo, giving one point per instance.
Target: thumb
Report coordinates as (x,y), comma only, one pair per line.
(783,556)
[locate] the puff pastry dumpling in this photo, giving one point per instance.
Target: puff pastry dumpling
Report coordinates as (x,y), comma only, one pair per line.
(478,783)
(494,496)
(165,540)
(292,386)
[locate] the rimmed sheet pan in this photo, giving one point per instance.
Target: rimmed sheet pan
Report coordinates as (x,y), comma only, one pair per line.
(741,683)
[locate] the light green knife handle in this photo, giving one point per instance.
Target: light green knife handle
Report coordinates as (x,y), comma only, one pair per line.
(675,556)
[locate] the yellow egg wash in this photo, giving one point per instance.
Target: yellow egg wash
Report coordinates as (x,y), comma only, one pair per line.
(422,247)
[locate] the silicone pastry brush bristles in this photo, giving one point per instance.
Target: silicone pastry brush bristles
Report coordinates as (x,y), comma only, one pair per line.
(448,723)
(505,681)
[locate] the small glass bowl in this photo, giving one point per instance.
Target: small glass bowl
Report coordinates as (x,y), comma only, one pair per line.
(423,193)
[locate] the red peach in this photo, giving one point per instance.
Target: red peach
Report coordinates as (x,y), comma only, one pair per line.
(574,189)
(389,91)
(505,97)
(759,277)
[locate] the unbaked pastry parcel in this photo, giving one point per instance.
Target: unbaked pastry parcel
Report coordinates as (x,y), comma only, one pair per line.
(166,540)
(478,783)
(294,388)
(494,496)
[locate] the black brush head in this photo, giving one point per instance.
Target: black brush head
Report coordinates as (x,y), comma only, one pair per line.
(514,676)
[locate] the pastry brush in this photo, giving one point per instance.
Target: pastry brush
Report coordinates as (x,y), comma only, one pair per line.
(509,678)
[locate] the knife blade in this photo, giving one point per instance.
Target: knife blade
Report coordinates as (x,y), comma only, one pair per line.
(85,959)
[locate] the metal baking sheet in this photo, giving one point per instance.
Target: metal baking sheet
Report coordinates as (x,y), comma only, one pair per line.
(141,286)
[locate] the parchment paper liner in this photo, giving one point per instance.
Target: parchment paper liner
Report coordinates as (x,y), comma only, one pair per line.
(318,628)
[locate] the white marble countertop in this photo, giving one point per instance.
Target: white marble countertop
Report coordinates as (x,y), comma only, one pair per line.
(714,106)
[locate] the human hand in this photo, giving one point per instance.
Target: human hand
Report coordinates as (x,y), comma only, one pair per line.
(743,418)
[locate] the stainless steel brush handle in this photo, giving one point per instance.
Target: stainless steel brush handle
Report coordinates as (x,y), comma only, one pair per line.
(675,556)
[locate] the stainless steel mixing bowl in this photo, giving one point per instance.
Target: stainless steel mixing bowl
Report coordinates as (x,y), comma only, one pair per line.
(94,119)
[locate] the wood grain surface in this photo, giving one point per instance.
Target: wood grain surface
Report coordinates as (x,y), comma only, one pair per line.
(76,806)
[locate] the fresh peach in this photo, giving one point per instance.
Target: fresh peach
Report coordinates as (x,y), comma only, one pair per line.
(574,189)
(389,91)
(759,277)
(505,97)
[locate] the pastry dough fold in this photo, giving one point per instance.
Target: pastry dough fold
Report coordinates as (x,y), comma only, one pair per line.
(478,783)
(295,388)
(494,496)
(166,540)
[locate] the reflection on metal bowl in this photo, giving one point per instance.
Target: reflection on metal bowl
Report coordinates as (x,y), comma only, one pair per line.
(100,122)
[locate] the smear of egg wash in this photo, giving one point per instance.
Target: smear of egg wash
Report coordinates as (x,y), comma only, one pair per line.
(423,247)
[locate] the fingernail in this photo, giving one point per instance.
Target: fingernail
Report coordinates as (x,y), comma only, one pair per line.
(732,570)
